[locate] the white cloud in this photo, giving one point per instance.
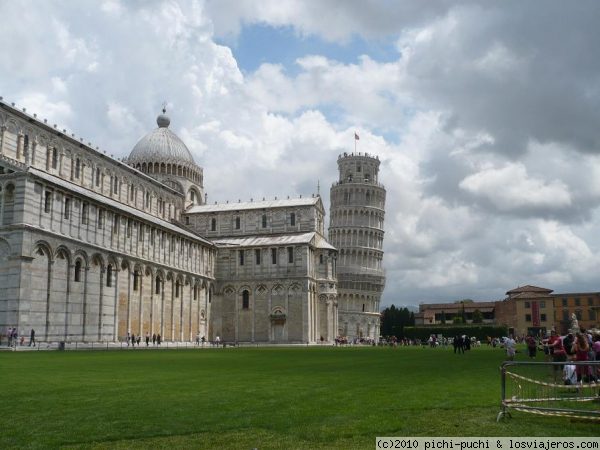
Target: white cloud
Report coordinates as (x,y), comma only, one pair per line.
(511,188)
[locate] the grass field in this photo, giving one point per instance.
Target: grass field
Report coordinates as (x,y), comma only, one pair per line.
(256,398)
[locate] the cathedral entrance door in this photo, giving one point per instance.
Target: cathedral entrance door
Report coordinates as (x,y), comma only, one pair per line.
(277,332)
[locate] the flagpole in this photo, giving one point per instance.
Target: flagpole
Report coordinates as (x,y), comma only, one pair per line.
(355,142)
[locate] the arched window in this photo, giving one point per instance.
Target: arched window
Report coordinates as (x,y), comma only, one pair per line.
(245,300)
(177,289)
(157,285)
(264,221)
(77,168)
(237,223)
(293,219)
(109,275)
(213,224)
(78,270)
(136,280)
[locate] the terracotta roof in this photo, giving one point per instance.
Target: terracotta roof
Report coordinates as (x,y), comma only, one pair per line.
(528,288)
(528,295)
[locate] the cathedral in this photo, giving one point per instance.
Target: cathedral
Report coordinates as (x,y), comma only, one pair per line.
(93,248)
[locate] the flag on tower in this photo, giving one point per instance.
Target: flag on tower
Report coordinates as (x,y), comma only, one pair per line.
(356,137)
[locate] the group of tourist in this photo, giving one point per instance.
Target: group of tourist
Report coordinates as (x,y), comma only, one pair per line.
(12,335)
(579,346)
(132,339)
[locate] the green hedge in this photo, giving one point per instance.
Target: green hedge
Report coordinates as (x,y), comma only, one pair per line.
(481,332)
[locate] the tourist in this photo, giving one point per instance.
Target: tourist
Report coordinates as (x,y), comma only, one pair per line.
(531,346)
(510,346)
(153,339)
(569,374)
(158,338)
(32,338)
(147,339)
(581,350)
(138,339)
(132,340)
(9,336)
(198,339)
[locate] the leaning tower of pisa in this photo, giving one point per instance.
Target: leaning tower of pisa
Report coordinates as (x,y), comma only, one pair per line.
(356,230)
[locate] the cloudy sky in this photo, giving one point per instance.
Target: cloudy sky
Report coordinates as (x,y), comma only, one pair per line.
(485,116)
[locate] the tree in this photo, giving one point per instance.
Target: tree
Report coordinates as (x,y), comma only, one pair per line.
(393,321)
(477,316)
(457,320)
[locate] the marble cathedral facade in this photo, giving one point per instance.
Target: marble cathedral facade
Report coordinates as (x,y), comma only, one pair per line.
(93,248)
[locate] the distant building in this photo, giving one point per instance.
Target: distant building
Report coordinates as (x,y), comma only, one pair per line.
(445,313)
(585,306)
(527,310)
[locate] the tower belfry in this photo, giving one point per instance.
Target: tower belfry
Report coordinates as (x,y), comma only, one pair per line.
(356,230)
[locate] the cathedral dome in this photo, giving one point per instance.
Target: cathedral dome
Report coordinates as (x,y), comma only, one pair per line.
(161,145)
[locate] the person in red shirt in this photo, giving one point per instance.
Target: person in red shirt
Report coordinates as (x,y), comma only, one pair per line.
(557,350)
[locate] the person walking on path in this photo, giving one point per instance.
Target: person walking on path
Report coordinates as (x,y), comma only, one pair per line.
(32,338)
(147,339)
(154,339)
(510,345)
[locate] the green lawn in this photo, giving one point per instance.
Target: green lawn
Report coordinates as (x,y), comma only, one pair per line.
(256,398)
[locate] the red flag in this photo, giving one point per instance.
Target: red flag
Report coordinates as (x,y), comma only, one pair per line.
(356,137)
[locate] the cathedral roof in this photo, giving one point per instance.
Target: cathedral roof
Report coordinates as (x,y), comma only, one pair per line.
(265,204)
(283,239)
(161,145)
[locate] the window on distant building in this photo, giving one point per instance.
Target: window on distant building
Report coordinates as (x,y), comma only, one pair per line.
(542,304)
(293,219)
(273,256)
(290,251)
(321,258)
(565,315)
(590,301)
(241,256)
(564,301)
(257,256)
(527,305)
(109,275)
(527,317)
(592,316)
(578,314)
(100,218)
(237,223)
(543,317)
(213,224)
(577,301)
(245,300)
(264,221)
(136,280)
